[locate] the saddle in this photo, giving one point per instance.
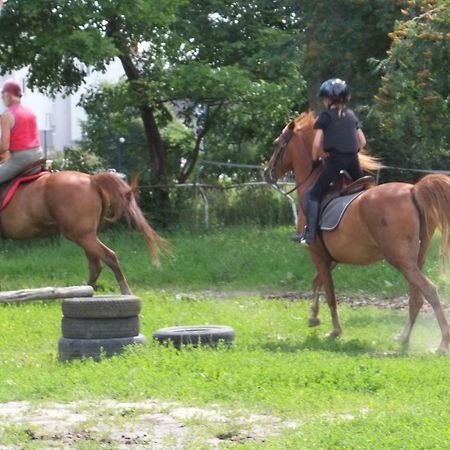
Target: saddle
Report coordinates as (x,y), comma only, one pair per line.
(339,197)
(31,173)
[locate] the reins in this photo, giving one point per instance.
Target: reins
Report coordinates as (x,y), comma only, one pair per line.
(313,168)
(286,138)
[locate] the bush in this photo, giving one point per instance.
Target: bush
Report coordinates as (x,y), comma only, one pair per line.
(260,206)
(79,160)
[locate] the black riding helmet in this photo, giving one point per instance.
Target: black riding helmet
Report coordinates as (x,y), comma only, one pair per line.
(335,89)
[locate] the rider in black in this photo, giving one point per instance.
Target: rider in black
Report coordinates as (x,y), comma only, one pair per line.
(339,134)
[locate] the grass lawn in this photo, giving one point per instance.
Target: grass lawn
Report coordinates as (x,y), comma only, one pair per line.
(235,258)
(360,392)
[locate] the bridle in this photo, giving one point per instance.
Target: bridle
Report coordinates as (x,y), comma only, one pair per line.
(286,137)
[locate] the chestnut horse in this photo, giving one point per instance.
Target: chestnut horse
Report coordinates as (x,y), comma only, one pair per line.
(76,204)
(392,221)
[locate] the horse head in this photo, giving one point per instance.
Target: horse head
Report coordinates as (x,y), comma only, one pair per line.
(293,148)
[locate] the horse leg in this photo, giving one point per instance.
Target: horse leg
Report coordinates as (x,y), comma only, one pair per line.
(416,298)
(323,265)
(95,267)
(98,251)
(314,319)
(415,304)
(415,276)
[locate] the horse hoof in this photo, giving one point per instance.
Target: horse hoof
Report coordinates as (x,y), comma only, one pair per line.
(442,350)
(313,322)
(334,334)
(401,339)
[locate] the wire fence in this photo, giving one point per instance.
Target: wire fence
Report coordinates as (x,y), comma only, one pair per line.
(203,190)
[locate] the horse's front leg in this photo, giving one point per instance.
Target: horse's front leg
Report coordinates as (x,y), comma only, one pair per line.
(324,266)
(314,319)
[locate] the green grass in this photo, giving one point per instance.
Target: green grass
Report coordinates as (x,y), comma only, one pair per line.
(361,391)
(235,258)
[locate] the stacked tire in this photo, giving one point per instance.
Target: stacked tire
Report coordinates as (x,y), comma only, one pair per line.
(99,326)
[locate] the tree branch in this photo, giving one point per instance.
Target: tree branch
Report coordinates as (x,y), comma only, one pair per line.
(190,164)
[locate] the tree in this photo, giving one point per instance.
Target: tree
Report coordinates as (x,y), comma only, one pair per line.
(210,56)
(115,132)
(341,36)
(411,110)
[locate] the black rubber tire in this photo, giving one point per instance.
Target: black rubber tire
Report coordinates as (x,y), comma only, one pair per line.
(94,348)
(100,328)
(195,335)
(102,307)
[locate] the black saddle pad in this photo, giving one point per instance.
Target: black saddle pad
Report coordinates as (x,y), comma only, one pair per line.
(335,210)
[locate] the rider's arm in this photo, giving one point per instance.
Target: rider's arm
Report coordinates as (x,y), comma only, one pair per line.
(317,144)
(361,138)
(6,122)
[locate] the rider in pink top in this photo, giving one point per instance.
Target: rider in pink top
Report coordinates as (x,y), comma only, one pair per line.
(20,135)
(24,134)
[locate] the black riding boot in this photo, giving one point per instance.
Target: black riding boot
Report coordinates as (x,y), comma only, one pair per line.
(312,216)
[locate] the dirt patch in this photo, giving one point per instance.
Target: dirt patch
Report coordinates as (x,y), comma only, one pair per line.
(354,301)
(123,425)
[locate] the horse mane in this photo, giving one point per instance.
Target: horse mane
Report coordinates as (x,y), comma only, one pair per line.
(305,122)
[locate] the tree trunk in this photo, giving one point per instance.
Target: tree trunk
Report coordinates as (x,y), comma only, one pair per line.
(156,150)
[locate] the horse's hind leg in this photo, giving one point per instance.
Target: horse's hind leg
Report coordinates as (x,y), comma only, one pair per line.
(415,276)
(415,304)
(416,298)
(95,268)
(314,319)
(96,252)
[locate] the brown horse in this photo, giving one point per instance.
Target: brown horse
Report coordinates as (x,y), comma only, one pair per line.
(76,205)
(392,221)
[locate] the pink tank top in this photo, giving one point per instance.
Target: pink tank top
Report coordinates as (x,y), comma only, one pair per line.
(24,134)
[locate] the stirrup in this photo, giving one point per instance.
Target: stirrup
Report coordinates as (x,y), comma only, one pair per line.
(300,239)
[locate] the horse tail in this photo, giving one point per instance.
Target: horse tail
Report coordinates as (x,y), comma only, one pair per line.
(369,162)
(432,197)
(117,195)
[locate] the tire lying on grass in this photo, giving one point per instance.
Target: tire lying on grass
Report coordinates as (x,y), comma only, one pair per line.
(102,307)
(100,328)
(195,335)
(94,348)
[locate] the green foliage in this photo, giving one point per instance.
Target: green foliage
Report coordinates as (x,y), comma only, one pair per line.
(224,67)
(113,130)
(412,105)
(58,40)
(79,160)
(341,36)
(245,67)
(219,78)
(227,207)
(113,116)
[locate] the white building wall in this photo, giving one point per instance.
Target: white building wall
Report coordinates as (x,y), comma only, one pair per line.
(59,118)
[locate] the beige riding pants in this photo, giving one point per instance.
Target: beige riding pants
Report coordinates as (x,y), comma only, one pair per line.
(18,162)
